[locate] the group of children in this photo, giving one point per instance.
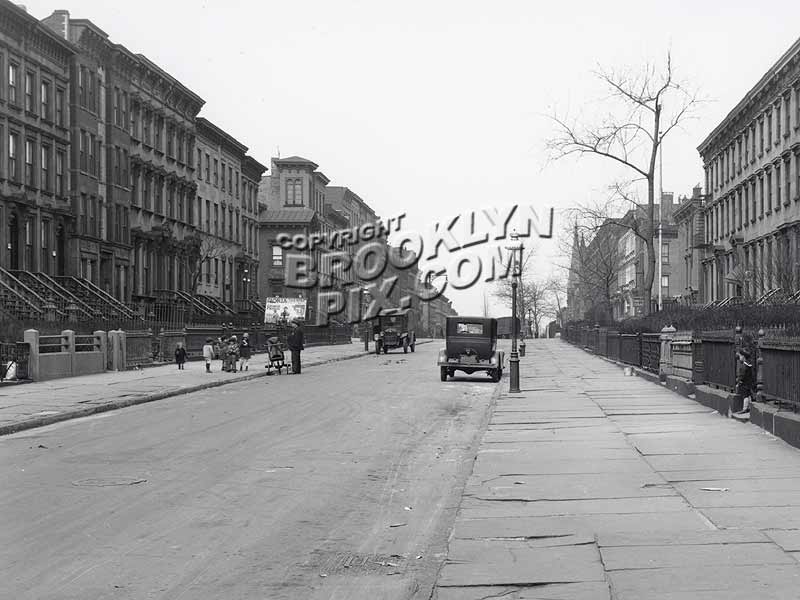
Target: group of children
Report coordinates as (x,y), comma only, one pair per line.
(230,350)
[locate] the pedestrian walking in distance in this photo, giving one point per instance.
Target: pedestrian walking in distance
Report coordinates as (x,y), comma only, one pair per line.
(244,352)
(180,356)
(295,341)
(208,353)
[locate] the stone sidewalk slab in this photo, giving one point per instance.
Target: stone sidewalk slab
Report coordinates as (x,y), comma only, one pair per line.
(590,462)
(31,405)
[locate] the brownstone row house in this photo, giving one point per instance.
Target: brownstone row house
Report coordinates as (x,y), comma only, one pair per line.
(110,180)
(751,209)
(35,200)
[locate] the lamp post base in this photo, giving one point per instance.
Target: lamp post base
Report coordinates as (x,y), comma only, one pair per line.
(513,362)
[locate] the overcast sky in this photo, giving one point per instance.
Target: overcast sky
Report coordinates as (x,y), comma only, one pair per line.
(433,108)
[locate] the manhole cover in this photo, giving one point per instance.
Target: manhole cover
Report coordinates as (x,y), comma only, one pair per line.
(108,481)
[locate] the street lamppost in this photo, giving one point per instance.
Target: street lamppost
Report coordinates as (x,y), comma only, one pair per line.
(364,300)
(513,361)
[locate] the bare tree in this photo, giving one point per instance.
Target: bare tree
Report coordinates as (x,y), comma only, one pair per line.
(193,252)
(646,104)
(752,280)
(558,293)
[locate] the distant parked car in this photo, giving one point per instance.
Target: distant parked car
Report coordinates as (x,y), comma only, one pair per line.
(471,346)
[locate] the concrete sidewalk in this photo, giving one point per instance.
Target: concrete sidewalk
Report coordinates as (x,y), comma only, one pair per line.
(590,485)
(26,406)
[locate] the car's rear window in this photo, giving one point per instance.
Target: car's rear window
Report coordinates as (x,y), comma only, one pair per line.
(469,328)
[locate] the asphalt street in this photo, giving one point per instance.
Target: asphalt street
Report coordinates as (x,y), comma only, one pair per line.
(342,482)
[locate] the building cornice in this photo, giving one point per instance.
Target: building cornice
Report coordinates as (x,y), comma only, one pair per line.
(784,73)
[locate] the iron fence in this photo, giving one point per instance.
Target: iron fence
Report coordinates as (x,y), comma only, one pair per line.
(18,353)
(631,349)
(651,352)
(719,359)
(781,370)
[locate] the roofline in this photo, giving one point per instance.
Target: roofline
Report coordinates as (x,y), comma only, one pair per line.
(41,27)
(773,71)
(202,122)
(251,163)
(150,64)
(291,161)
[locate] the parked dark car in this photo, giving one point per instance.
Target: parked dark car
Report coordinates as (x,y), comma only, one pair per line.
(395,330)
(471,346)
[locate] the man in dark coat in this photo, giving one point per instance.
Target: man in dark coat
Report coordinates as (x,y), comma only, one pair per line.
(295,341)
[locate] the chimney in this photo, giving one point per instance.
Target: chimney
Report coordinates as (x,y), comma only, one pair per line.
(58,22)
(696,192)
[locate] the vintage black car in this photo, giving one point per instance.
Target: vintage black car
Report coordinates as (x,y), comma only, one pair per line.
(471,345)
(395,330)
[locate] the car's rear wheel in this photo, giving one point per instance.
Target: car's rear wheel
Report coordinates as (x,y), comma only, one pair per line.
(495,374)
(443,373)
(405,346)
(413,346)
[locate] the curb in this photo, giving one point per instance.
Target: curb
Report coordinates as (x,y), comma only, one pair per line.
(126,402)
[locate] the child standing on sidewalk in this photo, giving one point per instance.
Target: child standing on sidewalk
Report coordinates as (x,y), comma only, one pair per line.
(244,352)
(208,354)
(180,356)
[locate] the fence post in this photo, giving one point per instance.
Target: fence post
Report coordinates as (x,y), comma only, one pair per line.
(101,345)
(760,368)
(68,345)
(31,337)
(639,349)
(665,362)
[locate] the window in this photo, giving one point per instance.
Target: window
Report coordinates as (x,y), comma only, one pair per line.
(761,136)
(92,217)
(787,100)
(146,127)
(665,282)
(216,172)
(12,84)
(461,328)
(13,149)
(29,98)
(45,166)
(45,100)
(92,104)
(216,271)
(28,244)
(208,168)
(117,165)
(778,195)
(208,216)
(60,107)
(90,147)
(123,110)
(769,129)
(222,186)
(236,178)
(146,194)
(222,223)
(788,175)
(159,125)
(30,180)
(60,189)
(116,101)
(82,86)
(277,256)
(664,254)
(199,163)
(216,219)
(230,180)
(170,136)
(768,177)
(778,123)
(294,192)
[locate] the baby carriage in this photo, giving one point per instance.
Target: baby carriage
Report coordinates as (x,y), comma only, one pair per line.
(277,355)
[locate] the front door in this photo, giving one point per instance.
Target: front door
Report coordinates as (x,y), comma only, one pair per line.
(13,242)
